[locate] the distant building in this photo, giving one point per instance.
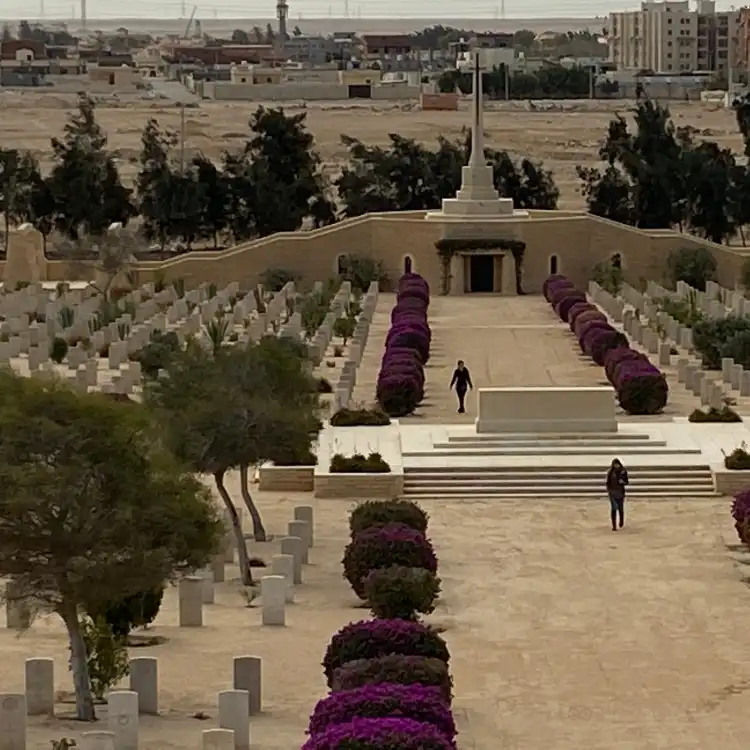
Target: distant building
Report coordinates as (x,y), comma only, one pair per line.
(310,50)
(669,37)
(386,46)
(22,50)
(219,55)
(117,80)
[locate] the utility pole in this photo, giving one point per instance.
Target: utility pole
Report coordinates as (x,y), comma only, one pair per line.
(182,138)
(83,14)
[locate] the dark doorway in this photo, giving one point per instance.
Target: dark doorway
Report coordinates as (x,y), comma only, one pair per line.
(482,273)
(407,264)
(360,91)
(552,264)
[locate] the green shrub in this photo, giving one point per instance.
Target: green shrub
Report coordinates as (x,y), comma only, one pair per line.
(362,270)
(58,349)
(400,592)
(738,348)
(301,457)
(338,351)
(343,328)
(324,386)
(359,464)
(395,668)
(275,279)
(134,611)
(382,512)
(710,337)
(157,353)
(693,265)
(107,655)
(738,459)
(725,414)
(360,418)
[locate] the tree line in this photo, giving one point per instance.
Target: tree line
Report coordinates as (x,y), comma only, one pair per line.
(549,82)
(660,176)
(275,183)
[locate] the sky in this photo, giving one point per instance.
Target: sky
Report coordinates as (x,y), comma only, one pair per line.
(318,8)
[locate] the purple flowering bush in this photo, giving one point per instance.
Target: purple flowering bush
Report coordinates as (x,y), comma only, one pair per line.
(383,546)
(641,388)
(396,668)
(371,513)
(613,358)
(385,700)
(741,515)
(380,734)
(400,385)
(564,306)
(371,639)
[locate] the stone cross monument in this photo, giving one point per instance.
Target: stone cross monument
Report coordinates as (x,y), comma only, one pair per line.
(477,196)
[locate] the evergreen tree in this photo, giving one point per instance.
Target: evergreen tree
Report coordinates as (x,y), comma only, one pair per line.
(85,181)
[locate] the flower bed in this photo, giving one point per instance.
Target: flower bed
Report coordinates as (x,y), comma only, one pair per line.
(390,684)
(400,386)
(641,388)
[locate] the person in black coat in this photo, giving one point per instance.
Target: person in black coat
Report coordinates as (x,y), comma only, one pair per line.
(462,380)
(617,480)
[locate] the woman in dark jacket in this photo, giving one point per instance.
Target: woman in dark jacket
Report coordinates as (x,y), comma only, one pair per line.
(617,480)
(462,380)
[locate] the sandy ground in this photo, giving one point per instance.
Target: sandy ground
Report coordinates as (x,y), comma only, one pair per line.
(561,139)
(563,635)
(505,341)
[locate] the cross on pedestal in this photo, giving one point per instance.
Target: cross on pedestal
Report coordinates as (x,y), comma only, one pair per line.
(477,121)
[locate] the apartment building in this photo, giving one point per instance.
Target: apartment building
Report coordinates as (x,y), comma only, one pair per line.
(670,37)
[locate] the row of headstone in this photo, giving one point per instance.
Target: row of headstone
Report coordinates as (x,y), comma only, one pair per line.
(646,308)
(120,338)
(124,707)
(277,589)
(692,375)
(316,349)
(344,387)
(735,376)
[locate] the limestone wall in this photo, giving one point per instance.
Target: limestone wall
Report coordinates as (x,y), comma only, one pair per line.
(576,240)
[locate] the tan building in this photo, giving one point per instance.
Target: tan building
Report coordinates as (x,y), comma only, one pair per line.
(670,37)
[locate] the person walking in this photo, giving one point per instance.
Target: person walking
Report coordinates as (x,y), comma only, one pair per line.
(462,380)
(617,480)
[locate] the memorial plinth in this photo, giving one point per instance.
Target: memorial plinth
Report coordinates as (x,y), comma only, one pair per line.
(546,410)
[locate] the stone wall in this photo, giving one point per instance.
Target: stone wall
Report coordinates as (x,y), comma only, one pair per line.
(577,240)
(731,482)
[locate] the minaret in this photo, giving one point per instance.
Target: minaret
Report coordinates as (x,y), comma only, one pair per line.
(282,13)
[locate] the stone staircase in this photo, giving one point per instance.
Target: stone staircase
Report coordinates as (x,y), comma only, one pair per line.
(533,466)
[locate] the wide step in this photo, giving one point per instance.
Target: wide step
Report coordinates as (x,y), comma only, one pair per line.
(543,446)
(537,450)
(548,482)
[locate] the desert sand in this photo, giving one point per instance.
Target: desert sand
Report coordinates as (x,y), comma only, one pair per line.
(562,138)
(563,635)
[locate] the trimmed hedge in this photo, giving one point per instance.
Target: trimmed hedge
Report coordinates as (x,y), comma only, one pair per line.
(641,388)
(400,385)
(384,700)
(370,639)
(381,734)
(382,512)
(390,684)
(397,668)
(383,546)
